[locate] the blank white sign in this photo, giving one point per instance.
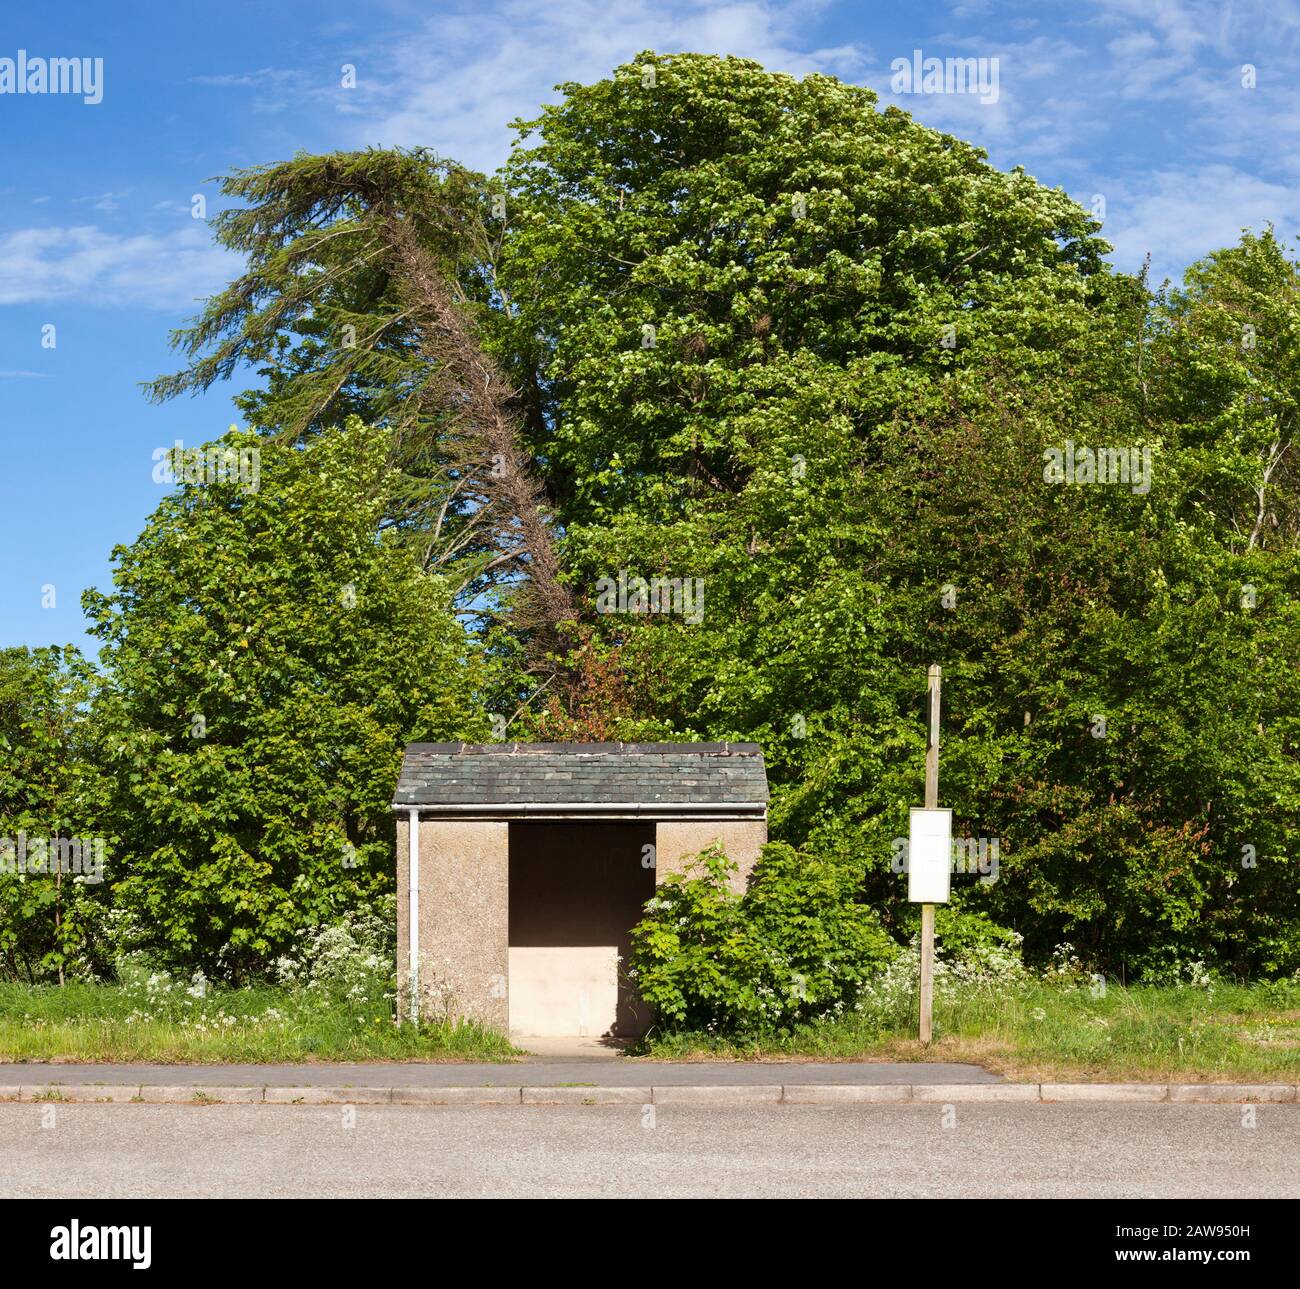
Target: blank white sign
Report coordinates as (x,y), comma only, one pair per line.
(929,856)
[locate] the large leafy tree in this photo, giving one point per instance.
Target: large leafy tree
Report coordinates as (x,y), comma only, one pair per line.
(366,275)
(268,653)
(750,329)
(746,293)
(1225,370)
(708,254)
(813,354)
(50,919)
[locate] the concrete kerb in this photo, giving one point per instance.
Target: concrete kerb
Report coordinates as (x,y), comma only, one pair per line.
(327,1096)
(734,1094)
(458,1096)
(56,1092)
(1281,1093)
(719,1095)
(1104,1091)
(932,1093)
(844,1093)
(198,1095)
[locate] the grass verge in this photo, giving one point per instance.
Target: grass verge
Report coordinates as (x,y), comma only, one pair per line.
(1041,1031)
(115,1023)
(1034,1031)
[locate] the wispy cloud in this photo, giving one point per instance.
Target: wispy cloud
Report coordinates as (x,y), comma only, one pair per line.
(1177,216)
(269,91)
(1030,122)
(455,83)
(1147,103)
(89,266)
(104,201)
(245,80)
(1140,101)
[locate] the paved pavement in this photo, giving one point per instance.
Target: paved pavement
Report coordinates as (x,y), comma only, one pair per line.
(605,1072)
(567,1047)
(967,1151)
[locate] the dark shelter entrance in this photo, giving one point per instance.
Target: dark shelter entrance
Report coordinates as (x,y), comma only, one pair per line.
(576,891)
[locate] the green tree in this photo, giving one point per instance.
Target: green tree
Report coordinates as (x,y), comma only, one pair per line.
(813,354)
(761,334)
(1226,370)
(712,260)
(367,273)
(50,918)
(792,948)
(267,655)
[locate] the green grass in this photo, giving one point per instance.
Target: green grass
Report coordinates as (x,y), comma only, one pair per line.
(1033,1030)
(167,1025)
(1047,1031)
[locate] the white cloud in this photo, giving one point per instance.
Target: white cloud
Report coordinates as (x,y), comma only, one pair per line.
(268,91)
(1179,216)
(89,266)
(105,201)
(454,84)
(1028,124)
(243,80)
(1139,100)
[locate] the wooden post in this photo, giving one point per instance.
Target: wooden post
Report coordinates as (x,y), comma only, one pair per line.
(931,803)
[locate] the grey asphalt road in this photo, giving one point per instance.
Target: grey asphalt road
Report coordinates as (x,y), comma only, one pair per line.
(967,1151)
(606,1073)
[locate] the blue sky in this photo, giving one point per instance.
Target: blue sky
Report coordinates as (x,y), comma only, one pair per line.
(1139,102)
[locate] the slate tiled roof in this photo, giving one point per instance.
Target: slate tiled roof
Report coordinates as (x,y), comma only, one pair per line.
(461,775)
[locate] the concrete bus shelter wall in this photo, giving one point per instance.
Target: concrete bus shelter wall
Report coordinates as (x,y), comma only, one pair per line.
(678,841)
(464,901)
